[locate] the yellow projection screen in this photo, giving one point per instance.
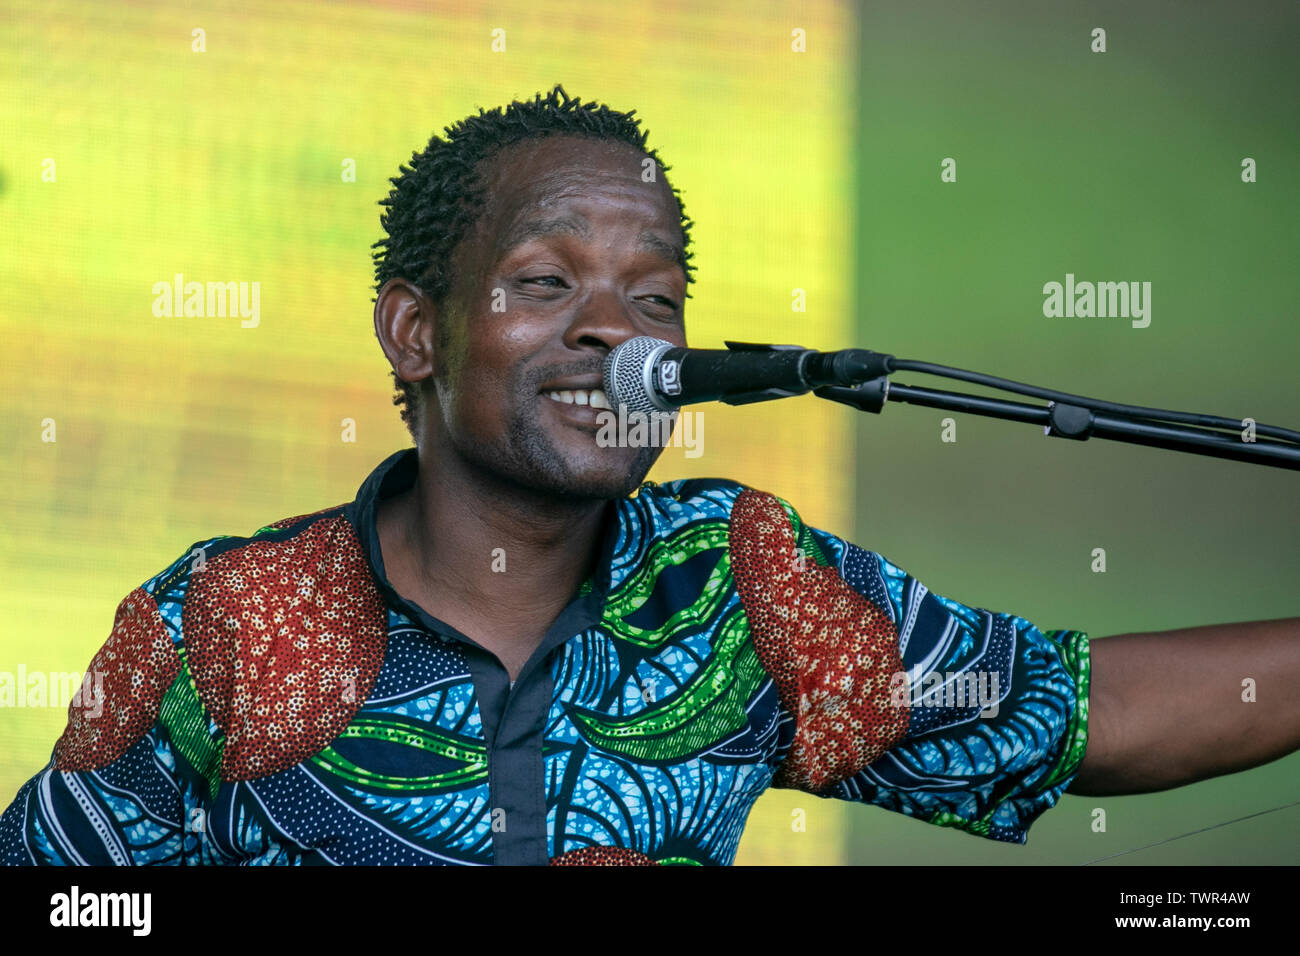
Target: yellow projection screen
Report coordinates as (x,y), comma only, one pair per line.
(148,145)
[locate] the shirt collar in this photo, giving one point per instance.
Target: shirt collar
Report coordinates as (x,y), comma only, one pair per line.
(395,474)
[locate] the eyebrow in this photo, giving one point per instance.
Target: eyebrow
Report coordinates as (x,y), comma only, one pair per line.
(541,228)
(664,250)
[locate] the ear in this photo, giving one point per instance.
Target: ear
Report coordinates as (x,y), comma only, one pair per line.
(405,324)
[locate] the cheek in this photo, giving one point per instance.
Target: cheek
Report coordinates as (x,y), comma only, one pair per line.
(482,394)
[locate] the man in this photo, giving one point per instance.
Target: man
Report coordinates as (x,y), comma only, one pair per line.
(498,653)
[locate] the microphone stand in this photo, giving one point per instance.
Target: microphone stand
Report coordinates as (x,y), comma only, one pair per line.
(1068,416)
(1071,421)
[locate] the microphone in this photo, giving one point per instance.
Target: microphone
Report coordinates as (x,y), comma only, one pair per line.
(650,375)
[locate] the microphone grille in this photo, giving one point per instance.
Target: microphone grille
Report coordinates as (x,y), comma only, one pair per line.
(627,372)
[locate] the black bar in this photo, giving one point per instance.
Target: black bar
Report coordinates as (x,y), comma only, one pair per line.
(1135,431)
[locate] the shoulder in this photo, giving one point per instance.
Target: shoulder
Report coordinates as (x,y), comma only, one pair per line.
(705,497)
(749,512)
(274,636)
(828,648)
(282,633)
(751,523)
(319,531)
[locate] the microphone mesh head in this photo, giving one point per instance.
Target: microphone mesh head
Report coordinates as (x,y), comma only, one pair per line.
(628,369)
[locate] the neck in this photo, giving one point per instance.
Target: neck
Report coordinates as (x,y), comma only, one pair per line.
(479,542)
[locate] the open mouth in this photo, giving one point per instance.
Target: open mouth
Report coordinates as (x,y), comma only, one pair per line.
(590,397)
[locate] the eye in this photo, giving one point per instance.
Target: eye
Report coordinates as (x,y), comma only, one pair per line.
(664,302)
(545,280)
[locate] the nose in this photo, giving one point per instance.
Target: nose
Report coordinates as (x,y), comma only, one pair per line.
(603,321)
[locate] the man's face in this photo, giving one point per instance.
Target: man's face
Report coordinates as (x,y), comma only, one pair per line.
(573,254)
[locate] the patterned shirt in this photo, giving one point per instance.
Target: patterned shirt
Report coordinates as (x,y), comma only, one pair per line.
(271,699)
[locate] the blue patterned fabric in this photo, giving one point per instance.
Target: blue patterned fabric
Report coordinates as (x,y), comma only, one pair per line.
(272,700)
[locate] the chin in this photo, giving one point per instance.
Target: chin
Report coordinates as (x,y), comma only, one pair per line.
(598,482)
(567,467)
(602,478)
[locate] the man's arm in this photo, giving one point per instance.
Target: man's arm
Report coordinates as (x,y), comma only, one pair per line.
(113,793)
(1173,707)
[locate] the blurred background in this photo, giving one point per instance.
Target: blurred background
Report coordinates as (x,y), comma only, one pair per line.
(807,141)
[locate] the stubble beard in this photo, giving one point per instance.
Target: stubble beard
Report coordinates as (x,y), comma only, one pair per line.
(540,466)
(531,462)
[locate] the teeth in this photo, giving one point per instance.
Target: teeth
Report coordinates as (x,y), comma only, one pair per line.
(594,397)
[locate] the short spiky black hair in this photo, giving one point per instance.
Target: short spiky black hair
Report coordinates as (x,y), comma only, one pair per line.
(437,198)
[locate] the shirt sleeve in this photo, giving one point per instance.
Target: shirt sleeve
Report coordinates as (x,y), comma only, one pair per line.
(958,716)
(112,793)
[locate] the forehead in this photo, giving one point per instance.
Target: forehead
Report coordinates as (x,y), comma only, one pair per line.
(536,178)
